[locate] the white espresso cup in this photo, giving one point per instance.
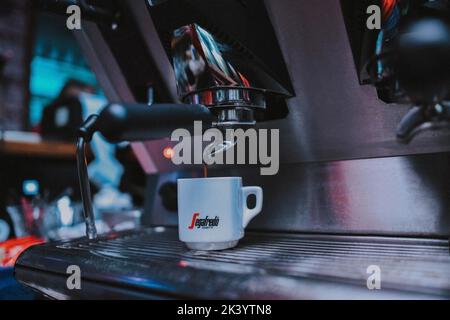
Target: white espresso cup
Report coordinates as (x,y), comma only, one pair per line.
(213,212)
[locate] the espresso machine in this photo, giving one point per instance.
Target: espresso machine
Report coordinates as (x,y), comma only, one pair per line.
(354,189)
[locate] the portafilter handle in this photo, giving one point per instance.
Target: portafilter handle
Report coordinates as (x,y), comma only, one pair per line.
(131,122)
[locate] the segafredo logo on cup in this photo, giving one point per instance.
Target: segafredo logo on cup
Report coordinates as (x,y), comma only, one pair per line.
(228,146)
(203,223)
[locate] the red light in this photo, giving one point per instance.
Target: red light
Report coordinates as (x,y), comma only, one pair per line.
(168,153)
(10,250)
(388,8)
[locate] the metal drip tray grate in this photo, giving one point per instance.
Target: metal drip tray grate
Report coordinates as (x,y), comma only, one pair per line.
(264,265)
(406,264)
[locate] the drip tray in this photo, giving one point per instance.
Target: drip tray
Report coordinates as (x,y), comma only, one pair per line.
(152,263)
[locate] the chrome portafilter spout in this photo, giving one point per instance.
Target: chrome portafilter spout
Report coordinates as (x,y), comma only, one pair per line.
(233,108)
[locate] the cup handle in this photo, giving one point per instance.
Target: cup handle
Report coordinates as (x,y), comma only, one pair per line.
(249,214)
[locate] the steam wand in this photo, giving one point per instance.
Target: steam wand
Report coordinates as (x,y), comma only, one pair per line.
(419,119)
(131,122)
(85,134)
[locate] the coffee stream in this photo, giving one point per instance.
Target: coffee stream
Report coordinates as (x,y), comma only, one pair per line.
(205,170)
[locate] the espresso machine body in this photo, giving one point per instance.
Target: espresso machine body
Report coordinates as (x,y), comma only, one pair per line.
(347,196)
(338,139)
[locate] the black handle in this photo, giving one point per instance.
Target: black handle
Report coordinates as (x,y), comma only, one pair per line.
(132,122)
(137,122)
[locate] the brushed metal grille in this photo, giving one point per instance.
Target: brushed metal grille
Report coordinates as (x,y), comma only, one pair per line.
(416,265)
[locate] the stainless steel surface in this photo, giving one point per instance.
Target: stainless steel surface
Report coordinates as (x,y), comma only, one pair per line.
(383,196)
(264,265)
(332,117)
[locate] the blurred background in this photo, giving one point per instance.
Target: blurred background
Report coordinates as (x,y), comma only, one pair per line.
(46,90)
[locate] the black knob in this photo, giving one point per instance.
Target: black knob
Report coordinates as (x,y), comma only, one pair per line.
(423,63)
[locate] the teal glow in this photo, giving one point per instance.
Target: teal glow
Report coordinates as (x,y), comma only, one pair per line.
(48,78)
(57,58)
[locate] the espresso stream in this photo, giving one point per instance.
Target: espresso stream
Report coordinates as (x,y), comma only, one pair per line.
(205,170)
